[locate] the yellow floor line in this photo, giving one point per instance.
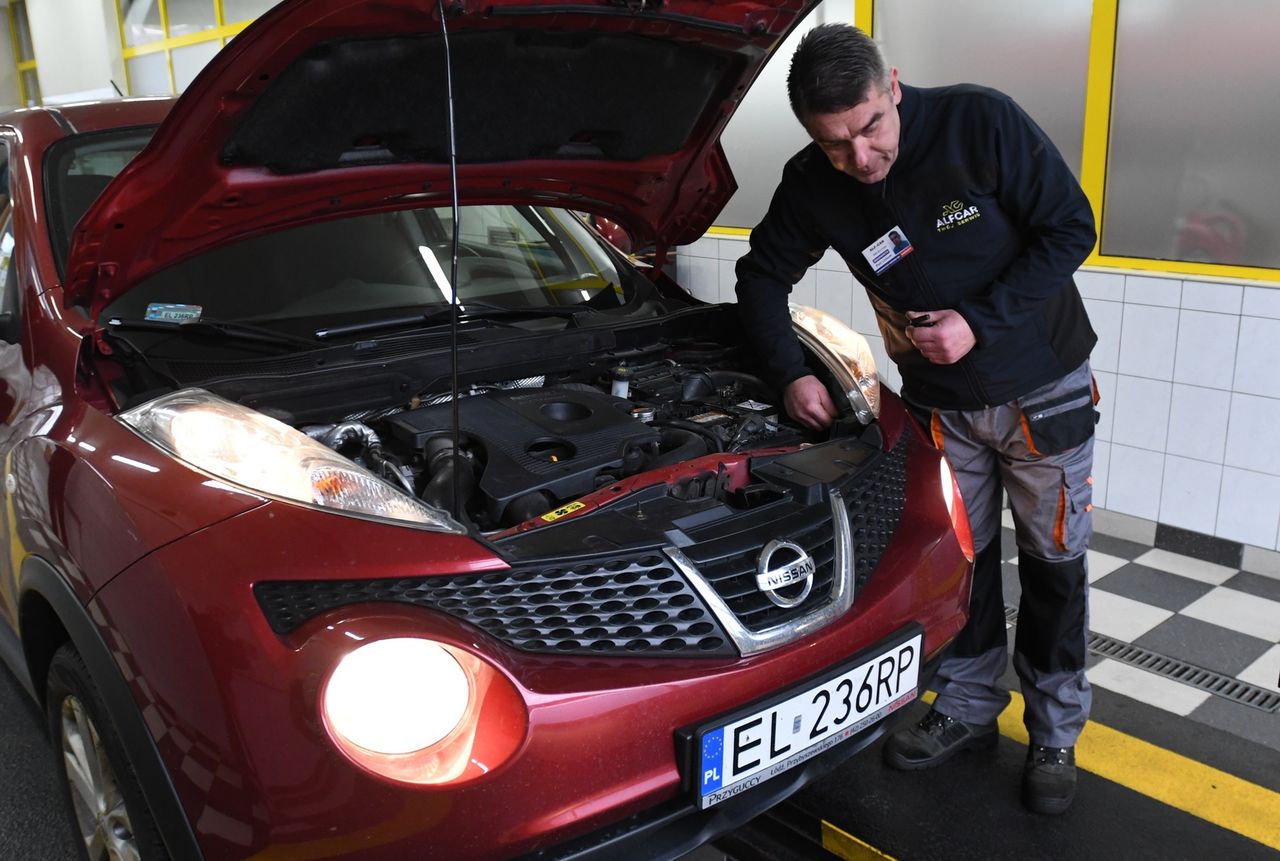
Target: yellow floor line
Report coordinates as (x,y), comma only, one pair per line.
(1178,781)
(1170,778)
(842,843)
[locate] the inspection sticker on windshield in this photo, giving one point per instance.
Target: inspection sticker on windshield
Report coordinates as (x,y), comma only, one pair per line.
(169,313)
(748,749)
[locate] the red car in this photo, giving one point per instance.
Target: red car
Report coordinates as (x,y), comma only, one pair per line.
(321,544)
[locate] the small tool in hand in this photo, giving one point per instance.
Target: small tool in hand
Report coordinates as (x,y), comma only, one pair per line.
(921,322)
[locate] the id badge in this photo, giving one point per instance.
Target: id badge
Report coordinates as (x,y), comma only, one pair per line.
(887,250)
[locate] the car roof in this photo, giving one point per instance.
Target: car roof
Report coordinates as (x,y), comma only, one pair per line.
(96,116)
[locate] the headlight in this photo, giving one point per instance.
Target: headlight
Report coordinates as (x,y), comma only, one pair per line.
(846,354)
(422,712)
(396,696)
(243,446)
(955,507)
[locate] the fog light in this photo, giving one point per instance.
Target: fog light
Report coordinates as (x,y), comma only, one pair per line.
(418,711)
(397,696)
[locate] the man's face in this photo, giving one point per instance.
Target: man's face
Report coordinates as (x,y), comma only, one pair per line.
(862,141)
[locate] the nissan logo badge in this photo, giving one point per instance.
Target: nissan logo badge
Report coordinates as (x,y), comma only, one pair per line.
(785,564)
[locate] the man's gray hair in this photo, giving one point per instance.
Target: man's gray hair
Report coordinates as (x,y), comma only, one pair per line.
(833,69)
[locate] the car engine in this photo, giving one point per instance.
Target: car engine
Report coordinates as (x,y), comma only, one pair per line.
(526,446)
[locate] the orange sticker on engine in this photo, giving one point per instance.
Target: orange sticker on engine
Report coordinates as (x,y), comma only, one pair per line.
(563,511)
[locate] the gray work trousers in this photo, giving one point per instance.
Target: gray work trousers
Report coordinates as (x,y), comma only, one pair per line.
(1039,449)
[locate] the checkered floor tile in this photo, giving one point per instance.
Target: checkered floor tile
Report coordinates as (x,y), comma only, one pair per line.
(1209,615)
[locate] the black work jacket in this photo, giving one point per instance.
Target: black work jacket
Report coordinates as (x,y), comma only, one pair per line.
(998,226)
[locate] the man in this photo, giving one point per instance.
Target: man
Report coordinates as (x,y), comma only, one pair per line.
(992,340)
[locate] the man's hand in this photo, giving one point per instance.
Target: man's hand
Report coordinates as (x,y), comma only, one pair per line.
(943,337)
(807,402)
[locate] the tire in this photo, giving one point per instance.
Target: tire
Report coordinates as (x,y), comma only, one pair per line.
(104,803)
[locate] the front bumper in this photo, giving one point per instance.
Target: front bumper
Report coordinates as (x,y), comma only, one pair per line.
(596,776)
(676,827)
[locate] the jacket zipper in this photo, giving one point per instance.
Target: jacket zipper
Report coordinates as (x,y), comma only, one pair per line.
(975,385)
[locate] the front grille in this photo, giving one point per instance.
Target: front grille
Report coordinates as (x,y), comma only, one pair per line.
(876,501)
(726,555)
(636,603)
(622,605)
(728,563)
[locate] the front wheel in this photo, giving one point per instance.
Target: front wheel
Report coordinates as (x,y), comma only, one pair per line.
(102,794)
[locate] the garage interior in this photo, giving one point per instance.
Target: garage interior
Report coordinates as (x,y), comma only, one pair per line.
(1165,111)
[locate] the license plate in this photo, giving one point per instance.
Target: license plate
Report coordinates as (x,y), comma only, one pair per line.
(749,749)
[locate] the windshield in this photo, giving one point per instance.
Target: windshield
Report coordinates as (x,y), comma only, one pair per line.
(77,169)
(354,268)
(351,269)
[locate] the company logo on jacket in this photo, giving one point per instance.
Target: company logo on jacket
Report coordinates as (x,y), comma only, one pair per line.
(955,214)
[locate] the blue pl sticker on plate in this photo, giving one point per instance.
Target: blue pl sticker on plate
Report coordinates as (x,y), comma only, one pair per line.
(712,760)
(173,313)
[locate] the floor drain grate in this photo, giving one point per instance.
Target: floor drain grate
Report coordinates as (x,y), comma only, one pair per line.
(1218,684)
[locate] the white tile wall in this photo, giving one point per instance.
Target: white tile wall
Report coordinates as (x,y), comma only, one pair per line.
(835,293)
(1223,298)
(1262,302)
(1249,507)
(1133,481)
(1206,354)
(1141,412)
(806,290)
(728,280)
(707,246)
(887,370)
(1189,492)
(733,247)
(1258,357)
(1100,285)
(1198,423)
(833,262)
(1147,341)
(1107,406)
(864,316)
(1107,318)
(1101,468)
(699,275)
(1251,434)
(1152,291)
(1190,380)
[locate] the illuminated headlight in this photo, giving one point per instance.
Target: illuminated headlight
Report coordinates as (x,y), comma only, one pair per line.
(846,354)
(240,445)
(396,696)
(955,507)
(422,712)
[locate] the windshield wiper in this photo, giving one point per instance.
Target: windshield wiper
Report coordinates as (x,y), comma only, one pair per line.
(469,311)
(219,328)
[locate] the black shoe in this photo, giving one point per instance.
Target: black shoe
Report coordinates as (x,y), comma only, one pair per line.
(934,740)
(1049,779)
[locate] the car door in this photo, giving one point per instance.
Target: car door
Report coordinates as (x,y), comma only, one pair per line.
(15,382)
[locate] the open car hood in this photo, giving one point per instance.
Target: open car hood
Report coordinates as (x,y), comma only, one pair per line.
(328,107)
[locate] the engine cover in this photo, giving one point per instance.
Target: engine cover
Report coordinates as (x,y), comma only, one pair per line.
(553,439)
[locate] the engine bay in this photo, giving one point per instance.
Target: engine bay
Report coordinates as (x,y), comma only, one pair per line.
(526,446)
